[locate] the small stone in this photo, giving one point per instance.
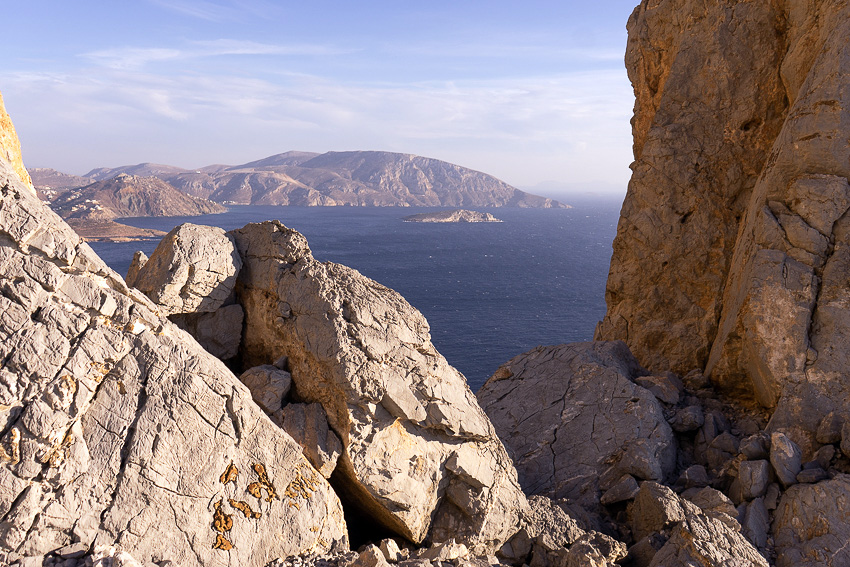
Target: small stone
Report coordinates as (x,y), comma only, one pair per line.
(626,489)
(641,553)
(269,385)
(666,387)
(810,476)
(754,447)
(654,508)
(72,551)
(688,419)
(785,457)
(446,551)
(726,442)
(391,551)
(370,557)
(694,476)
(754,477)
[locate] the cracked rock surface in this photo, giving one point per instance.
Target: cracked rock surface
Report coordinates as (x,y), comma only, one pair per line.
(419,456)
(117,428)
(571,413)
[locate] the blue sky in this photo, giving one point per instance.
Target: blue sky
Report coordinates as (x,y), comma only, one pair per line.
(531,92)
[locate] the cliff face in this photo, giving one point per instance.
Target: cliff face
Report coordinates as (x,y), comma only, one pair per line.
(730,253)
(10,147)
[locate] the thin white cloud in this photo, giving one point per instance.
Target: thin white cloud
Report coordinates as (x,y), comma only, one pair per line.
(200,9)
(523,129)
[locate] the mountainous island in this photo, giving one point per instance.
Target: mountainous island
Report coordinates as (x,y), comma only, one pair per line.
(457,215)
(240,403)
(363,178)
(91,209)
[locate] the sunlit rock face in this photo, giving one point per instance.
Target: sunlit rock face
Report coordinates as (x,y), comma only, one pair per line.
(117,427)
(730,253)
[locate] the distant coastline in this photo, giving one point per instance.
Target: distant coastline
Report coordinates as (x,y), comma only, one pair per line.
(456,215)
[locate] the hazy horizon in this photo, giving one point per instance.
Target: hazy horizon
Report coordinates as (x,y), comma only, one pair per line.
(536,96)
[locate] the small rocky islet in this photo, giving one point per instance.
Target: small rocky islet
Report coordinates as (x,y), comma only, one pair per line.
(240,403)
(456,215)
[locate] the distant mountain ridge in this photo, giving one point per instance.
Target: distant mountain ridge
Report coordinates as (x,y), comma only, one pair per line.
(357,178)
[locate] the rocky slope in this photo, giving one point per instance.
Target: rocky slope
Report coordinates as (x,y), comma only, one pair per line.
(341,178)
(51,183)
(130,196)
(458,215)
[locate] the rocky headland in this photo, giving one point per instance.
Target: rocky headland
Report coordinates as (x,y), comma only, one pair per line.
(90,210)
(237,402)
(457,215)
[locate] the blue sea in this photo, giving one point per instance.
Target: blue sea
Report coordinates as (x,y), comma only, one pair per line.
(490,291)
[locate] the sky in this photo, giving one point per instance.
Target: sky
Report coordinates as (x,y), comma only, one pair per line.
(532,92)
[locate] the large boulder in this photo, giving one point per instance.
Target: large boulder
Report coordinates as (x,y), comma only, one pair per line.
(572,415)
(118,428)
(419,456)
(812,524)
(192,270)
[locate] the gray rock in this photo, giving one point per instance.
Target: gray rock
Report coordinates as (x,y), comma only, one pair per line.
(446,551)
(694,476)
(688,419)
(785,457)
(596,549)
(714,504)
(642,552)
(771,497)
(419,454)
(824,456)
(192,270)
(72,551)
(566,411)
(655,508)
(754,477)
(219,332)
(755,447)
(810,525)
(626,489)
(308,425)
(812,475)
(666,387)
(756,523)
(545,517)
(269,386)
(131,432)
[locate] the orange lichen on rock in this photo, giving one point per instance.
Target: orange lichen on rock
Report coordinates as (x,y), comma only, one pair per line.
(255,489)
(229,474)
(221,522)
(245,509)
(222,543)
(302,485)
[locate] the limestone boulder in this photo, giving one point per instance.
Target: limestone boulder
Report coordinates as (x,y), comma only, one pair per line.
(192,270)
(419,456)
(219,332)
(308,425)
(811,526)
(572,416)
(119,429)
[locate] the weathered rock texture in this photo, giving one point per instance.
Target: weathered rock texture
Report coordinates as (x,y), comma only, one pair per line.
(812,525)
(732,248)
(419,455)
(10,148)
(192,270)
(117,428)
(571,415)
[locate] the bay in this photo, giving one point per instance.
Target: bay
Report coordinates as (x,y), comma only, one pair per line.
(490,291)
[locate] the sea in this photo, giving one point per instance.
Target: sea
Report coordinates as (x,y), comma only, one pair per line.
(489,291)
